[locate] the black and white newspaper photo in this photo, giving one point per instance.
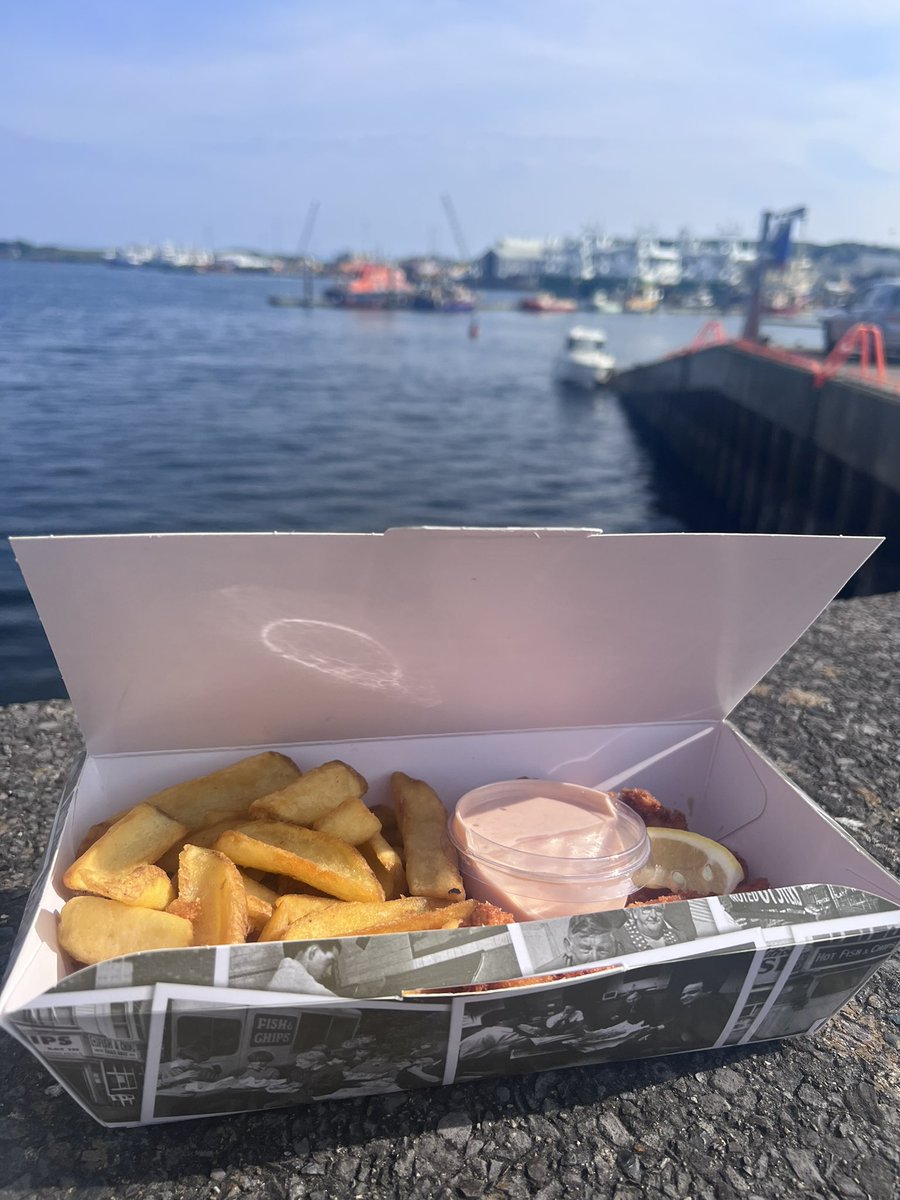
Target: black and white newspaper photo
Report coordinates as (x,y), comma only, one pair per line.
(647,1011)
(252,1054)
(596,937)
(821,978)
(97,1049)
(196,965)
(781,907)
(766,976)
(379,966)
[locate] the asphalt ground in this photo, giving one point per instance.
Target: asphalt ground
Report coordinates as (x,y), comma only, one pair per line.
(814,1116)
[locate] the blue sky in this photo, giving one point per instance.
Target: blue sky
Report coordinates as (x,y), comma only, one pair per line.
(214,121)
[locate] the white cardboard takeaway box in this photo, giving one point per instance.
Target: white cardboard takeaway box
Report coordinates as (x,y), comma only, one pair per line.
(461,657)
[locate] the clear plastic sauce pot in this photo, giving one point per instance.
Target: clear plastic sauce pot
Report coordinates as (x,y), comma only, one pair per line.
(539,848)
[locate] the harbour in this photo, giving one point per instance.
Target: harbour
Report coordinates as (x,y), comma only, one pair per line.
(468,393)
(152,401)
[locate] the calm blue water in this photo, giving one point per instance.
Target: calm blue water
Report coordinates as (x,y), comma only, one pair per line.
(140,401)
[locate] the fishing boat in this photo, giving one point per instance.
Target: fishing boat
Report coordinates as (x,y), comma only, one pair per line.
(646,301)
(602,303)
(546,302)
(583,361)
(373,286)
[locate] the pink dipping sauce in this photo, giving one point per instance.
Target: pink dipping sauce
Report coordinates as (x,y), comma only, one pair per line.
(540,848)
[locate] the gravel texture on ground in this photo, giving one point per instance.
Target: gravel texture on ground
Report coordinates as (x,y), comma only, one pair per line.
(815,1116)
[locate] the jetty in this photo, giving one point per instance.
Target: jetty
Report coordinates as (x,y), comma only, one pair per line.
(777,441)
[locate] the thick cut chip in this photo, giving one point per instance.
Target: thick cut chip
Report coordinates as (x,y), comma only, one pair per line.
(95,832)
(351,821)
(431,862)
(258,914)
(212,897)
(254,888)
(314,858)
(341,920)
(228,790)
(206,836)
(291,908)
(260,902)
(313,794)
(144,887)
(117,865)
(92,929)
(446,916)
(387,865)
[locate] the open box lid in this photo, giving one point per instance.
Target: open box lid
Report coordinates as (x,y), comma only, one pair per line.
(181,641)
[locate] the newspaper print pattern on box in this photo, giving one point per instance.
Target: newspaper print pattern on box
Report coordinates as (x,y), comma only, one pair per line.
(97,1050)
(250,1055)
(729,984)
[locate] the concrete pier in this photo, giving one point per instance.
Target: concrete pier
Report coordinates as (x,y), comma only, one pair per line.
(776,448)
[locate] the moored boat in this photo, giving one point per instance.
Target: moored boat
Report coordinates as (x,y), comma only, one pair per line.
(584,361)
(602,303)
(647,300)
(546,302)
(374,285)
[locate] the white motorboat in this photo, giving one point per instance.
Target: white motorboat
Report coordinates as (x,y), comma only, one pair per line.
(584,361)
(602,303)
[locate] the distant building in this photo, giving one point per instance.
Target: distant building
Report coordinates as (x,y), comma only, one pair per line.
(643,261)
(515,261)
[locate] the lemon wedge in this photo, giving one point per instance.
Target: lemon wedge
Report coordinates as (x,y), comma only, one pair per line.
(688,862)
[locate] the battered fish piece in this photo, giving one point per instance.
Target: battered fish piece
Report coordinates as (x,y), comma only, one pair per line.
(659,896)
(649,809)
(487,914)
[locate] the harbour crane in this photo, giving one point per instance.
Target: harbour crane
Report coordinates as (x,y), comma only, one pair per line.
(305,238)
(461,249)
(456,229)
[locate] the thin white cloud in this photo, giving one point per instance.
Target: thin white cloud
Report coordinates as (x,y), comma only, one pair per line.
(537,117)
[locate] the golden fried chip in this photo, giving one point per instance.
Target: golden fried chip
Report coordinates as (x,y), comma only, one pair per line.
(254,888)
(290,908)
(144,887)
(94,834)
(447,916)
(211,896)
(206,836)
(92,929)
(118,866)
(340,920)
(431,862)
(260,903)
(312,795)
(258,914)
(351,821)
(387,865)
(314,858)
(229,790)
